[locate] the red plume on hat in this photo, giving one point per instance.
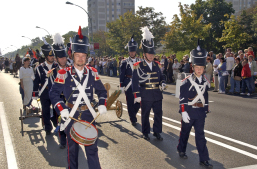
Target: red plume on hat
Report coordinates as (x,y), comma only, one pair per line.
(80,33)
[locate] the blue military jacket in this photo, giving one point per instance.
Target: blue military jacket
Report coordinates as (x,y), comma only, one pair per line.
(65,83)
(41,76)
(188,93)
(145,82)
(126,69)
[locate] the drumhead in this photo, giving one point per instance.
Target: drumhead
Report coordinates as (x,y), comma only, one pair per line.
(80,129)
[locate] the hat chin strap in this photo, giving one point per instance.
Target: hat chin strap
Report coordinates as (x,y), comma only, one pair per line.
(147,58)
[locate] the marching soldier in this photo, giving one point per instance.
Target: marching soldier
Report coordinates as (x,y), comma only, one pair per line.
(61,58)
(41,86)
(126,80)
(77,83)
(146,79)
(33,61)
(194,106)
(69,51)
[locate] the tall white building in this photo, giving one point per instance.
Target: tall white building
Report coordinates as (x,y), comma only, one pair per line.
(103,11)
(240,5)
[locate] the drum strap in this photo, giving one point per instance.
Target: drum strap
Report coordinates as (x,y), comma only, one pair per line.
(200,91)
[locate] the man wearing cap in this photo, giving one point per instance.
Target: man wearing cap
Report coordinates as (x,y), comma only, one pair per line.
(126,70)
(194,106)
(77,84)
(41,86)
(61,58)
(146,80)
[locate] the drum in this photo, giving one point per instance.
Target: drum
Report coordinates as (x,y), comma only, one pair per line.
(82,134)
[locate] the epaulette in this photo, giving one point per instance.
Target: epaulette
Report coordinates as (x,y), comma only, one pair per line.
(158,63)
(61,76)
(136,65)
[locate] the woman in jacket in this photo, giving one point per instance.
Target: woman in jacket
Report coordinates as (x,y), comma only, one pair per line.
(246,75)
(235,77)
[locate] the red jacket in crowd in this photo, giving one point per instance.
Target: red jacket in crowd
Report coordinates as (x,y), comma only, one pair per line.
(246,72)
(251,53)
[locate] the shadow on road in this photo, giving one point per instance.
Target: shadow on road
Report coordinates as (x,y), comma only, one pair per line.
(172,157)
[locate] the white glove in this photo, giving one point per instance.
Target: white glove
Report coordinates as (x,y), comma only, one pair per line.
(65,114)
(185,117)
(102,109)
(163,86)
(138,100)
(122,89)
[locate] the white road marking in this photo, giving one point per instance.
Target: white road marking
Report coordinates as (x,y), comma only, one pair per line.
(10,155)
(211,101)
(247,167)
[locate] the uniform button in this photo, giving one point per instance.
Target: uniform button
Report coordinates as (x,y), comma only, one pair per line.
(70,86)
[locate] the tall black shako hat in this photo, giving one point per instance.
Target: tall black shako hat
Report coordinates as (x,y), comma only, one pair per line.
(38,53)
(58,46)
(46,49)
(80,43)
(198,56)
(132,45)
(147,41)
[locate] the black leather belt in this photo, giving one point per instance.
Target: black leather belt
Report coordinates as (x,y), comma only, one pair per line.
(149,85)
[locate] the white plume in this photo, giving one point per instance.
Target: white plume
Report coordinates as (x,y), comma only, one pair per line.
(70,40)
(147,35)
(58,39)
(44,40)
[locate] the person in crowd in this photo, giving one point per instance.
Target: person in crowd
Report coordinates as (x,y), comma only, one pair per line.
(175,68)
(208,69)
(6,65)
(228,51)
(90,62)
(246,75)
(235,77)
(230,61)
(245,53)
(250,52)
(212,56)
(186,67)
(97,64)
(253,68)
(165,65)
(100,67)
(11,66)
(27,76)
(104,65)
(241,56)
(239,52)
(170,70)
(181,66)
(222,75)
(114,64)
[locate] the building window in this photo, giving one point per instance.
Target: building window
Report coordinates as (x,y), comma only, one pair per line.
(118,4)
(113,16)
(112,9)
(107,3)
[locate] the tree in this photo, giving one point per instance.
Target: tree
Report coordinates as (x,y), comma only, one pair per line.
(213,12)
(101,38)
(155,21)
(233,35)
(121,30)
(183,33)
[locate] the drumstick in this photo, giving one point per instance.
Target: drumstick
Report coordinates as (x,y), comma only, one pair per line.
(93,120)
(79,121)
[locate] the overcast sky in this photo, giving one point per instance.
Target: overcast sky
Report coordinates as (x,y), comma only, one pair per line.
(20,18)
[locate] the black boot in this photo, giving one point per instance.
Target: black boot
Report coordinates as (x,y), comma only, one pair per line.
(206,164)
(146,137)
(134,123)
(182,155)
(158,136)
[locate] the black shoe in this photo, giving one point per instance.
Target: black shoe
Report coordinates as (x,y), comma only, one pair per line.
(215,91)
(134,123)
(182,155)
(158,136)
(48,132)
(206,164)
(62,146)
(146,137)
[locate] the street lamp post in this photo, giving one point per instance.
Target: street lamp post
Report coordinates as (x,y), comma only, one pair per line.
(27,37)
(44,29)
(69,3)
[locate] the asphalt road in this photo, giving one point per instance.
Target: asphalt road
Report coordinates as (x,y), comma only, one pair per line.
(230,132)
